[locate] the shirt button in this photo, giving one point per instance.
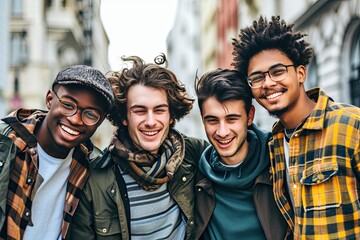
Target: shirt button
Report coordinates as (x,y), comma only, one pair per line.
(104,230)
(1,164)
(29,180)
(27,213)
(191,222)
(199,189)
(294,186)
(33,151)
(184,179)
(112,191)
(296,134)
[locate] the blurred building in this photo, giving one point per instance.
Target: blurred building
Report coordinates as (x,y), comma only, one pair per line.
(183,52)
(4,26)
(333,29)
(46,36)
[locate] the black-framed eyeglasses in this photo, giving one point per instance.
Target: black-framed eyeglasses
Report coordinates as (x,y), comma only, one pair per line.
(69,108)
(276,73)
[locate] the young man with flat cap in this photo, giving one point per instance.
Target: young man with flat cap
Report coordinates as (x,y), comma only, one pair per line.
(45,164)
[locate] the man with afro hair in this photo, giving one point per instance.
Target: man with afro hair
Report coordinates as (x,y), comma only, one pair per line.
(315,152)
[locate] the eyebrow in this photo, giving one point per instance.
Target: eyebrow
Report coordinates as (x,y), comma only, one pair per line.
(273,66)
(227,116)
(77,103)
(142,106)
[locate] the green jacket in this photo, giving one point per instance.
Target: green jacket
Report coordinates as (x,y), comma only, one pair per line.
(103,210)
(7,157)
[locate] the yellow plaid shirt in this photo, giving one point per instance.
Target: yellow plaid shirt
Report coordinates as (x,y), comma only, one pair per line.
(324,172)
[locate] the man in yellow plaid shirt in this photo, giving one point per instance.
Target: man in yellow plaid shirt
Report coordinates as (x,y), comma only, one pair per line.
(315,152)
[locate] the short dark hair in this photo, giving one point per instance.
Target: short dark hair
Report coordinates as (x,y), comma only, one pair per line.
(223,84)
(264,35)
(150,75)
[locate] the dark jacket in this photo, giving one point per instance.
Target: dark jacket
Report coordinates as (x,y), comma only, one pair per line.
(7,157)
(270,217)
(272,222)
(103,212)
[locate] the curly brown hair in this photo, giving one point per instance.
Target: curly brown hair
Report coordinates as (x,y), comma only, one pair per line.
(151,75)
(264,35)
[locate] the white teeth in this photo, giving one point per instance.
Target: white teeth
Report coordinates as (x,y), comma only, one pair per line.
(224,142)
(274,95)
(150,133)
(70,131)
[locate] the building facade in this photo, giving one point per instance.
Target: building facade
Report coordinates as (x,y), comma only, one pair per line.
(46,36)
(4,26)
(183,52)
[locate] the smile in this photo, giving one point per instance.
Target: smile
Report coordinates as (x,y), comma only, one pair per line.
(274,95)
(152,133)
(224,141)
(70,131)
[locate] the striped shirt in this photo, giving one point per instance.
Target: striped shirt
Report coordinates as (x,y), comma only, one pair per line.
(155,214)
(25,180)
(324,172)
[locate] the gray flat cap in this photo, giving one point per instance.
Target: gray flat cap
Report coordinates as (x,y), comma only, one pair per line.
(88,76)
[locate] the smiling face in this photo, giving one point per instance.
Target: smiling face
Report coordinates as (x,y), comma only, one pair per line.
(282,96)
(148,117)
(226,127)
(59,133)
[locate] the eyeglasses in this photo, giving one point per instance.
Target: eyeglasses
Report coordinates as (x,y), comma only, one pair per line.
(276,73)
(69,108)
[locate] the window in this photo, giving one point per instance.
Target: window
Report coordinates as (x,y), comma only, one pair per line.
(17,8)
(350,64)
(312,77)
(354,80)
(18,49)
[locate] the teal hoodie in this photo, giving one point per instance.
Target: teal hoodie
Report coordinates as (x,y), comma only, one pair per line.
(234,189)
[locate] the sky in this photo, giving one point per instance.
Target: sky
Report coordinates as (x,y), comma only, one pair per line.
(137,27)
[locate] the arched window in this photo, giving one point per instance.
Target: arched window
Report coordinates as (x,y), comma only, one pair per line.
(355,68)
(312,75)
(350,64)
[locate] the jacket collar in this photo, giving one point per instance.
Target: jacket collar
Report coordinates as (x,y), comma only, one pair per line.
(316,118)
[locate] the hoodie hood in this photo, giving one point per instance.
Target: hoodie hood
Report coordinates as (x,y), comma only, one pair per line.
(241,176)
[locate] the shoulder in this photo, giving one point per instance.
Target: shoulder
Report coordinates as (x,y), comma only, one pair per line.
(192,142)
(194,146)
(100,180)
(342,113)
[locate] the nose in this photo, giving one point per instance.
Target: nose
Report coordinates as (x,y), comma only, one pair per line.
(150,119)
(76,118)
(222,130)
(268,80)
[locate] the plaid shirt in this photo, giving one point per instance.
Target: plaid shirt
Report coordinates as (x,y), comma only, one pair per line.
(324,172)
(25,180)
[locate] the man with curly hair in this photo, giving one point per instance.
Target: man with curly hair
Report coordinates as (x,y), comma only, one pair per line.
(315,152)
(144,186)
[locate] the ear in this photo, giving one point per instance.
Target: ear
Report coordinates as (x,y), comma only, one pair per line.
(251,115)
(49,99)
(301,73)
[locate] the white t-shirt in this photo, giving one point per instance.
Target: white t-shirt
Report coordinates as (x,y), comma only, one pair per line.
(48,204)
